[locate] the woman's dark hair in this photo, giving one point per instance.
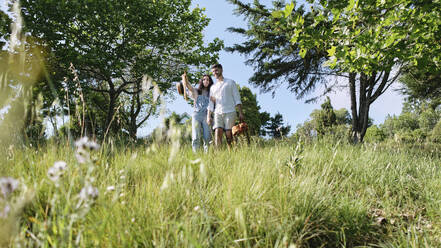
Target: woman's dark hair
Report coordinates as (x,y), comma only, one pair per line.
(201,84)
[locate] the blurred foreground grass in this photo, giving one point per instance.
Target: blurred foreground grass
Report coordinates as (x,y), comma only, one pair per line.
(284,194)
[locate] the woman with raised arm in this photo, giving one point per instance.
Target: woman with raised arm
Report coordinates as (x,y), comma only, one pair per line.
(201,97)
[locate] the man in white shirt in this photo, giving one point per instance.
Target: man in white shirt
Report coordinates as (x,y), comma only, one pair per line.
(225,96)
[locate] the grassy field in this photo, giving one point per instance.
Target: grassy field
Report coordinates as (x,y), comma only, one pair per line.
(284,194)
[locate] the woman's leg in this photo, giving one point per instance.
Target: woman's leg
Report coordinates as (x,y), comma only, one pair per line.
(195,134)
(206,131)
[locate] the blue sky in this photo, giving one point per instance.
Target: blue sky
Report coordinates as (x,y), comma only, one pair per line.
(294,111)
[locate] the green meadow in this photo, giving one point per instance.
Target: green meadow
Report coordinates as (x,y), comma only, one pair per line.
(267,194)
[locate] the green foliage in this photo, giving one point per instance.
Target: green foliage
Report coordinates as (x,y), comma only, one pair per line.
(404,122)
(374,134)
(112,45)
(250,110)
(325,118)
(275,127)
(381,34)
(342,117)
(421,85)
(428,119)
(436,133)
(264,117)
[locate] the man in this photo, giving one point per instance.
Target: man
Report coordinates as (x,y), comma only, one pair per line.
(225,96)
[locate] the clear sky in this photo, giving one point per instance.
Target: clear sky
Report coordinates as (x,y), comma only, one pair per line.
(294,111)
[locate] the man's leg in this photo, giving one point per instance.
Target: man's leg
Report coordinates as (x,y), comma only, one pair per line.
(218,129)
(229,136)
(230,119)
(218,133)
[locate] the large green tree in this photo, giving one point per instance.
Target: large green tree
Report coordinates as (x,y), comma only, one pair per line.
(369,41)
(113,44)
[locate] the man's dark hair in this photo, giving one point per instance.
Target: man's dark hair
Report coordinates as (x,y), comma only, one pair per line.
(216,66)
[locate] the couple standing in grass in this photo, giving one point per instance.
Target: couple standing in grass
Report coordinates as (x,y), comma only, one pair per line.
(221,99)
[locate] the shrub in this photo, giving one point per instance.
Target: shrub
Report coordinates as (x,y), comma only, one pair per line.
(374,134)
(436,133)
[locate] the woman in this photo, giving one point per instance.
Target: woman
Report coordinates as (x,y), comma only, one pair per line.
(201,97)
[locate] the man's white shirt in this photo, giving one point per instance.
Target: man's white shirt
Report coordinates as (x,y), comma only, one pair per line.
(227,96)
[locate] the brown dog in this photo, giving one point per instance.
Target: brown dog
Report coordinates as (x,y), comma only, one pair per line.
(241,128)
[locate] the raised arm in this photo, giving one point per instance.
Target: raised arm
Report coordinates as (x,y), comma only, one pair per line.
(188,85)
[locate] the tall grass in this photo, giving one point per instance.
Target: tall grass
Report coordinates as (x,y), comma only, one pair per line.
(278,195)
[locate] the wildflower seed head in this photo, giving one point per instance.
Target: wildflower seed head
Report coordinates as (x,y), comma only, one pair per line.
(60,166)
(81,143)
(86,144)
(54,174)
(82,158)
(89,192)
(8,185)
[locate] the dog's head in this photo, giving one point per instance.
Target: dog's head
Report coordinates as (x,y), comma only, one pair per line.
(239,128)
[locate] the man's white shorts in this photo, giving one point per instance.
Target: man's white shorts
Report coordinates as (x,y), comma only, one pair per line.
(225,121)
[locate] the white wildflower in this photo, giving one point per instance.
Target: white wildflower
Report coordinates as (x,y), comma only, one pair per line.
(110,188)
(8,185)
(60,166)
(81,143)
(88,192)
(82,156)
(55,172)
(86,144)
(196,208)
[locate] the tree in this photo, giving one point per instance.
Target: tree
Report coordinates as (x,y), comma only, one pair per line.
(250,110)
(113,44)
(325,118)
(275,128)
(369,39)
(264,117)
(342,117)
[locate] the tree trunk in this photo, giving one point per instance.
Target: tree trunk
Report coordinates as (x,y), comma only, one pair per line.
(353,92)
(110,110)
(360,117)
(133,128)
